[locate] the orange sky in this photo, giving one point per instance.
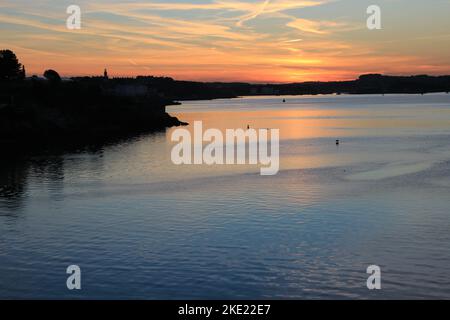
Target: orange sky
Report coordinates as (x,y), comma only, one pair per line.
(237,40)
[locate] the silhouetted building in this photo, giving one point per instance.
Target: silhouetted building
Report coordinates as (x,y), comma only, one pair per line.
(23,73)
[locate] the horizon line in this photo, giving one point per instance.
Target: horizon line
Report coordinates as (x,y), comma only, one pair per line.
(250,82)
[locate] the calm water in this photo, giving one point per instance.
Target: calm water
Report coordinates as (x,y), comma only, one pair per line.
(141,227)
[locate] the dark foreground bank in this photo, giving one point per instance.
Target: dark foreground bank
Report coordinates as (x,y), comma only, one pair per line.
(40,110)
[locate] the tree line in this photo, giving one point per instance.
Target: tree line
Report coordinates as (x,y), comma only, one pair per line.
(12,69)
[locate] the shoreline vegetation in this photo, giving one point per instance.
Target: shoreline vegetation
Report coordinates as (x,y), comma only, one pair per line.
(86,108)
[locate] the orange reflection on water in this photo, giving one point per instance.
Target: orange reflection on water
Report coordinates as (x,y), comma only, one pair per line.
(321,123)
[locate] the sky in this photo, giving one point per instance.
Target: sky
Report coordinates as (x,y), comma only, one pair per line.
(229,40)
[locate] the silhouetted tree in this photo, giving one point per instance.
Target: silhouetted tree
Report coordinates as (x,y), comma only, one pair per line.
(52,76)
(10,68)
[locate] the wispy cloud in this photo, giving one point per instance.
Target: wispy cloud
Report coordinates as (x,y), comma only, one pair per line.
(319,27)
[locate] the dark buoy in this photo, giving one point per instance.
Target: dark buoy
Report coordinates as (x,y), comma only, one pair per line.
(284,100)
(337,142)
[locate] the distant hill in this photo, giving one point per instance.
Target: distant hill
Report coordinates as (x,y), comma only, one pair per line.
(365,84)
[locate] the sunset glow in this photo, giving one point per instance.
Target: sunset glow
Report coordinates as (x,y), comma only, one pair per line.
(237,40)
